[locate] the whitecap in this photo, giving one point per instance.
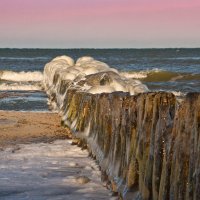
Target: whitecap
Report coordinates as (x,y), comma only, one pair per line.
(21,76)
(20,86)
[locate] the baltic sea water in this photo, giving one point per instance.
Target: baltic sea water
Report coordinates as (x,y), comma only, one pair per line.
(176,70)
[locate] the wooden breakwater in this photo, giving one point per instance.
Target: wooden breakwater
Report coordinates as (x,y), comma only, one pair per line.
(147,144)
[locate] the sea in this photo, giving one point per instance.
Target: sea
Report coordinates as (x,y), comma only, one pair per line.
(175,70)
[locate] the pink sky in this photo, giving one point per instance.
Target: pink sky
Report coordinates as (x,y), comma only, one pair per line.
(99,23)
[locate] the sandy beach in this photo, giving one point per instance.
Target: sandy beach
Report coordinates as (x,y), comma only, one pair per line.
(29,127)
(37,160)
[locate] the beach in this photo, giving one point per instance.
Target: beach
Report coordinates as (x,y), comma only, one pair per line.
(30,127)
(38,160)
(120,113)
(99,100)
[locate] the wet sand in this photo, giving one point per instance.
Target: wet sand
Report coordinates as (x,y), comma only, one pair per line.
(37,161)
(27,127)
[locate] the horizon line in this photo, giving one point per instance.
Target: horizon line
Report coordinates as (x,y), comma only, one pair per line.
(76,48)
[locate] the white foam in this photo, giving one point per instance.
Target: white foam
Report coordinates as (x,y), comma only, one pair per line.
(178,93)
(137,75)
(21,76)
(19,86)
(154,70)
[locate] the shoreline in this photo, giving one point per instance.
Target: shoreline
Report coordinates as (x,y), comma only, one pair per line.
(18,127)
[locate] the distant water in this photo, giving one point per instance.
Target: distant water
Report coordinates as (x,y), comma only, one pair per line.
(176,70)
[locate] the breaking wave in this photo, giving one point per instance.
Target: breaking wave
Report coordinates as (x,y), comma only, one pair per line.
(157,75)
(21,76)
(20,86)
(30,81)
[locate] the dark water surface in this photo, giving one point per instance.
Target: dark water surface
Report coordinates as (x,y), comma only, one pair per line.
(175,70)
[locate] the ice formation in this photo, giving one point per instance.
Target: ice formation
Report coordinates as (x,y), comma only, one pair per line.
(88,75)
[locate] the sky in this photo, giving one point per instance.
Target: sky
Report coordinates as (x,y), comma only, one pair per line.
(99,23)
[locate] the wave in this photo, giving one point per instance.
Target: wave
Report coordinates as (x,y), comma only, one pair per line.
(21,76)
(157,75)
(24,58)
(20,86)
(184,58)
(136,75)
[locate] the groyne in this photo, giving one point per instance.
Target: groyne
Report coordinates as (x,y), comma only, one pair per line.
(147,143)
